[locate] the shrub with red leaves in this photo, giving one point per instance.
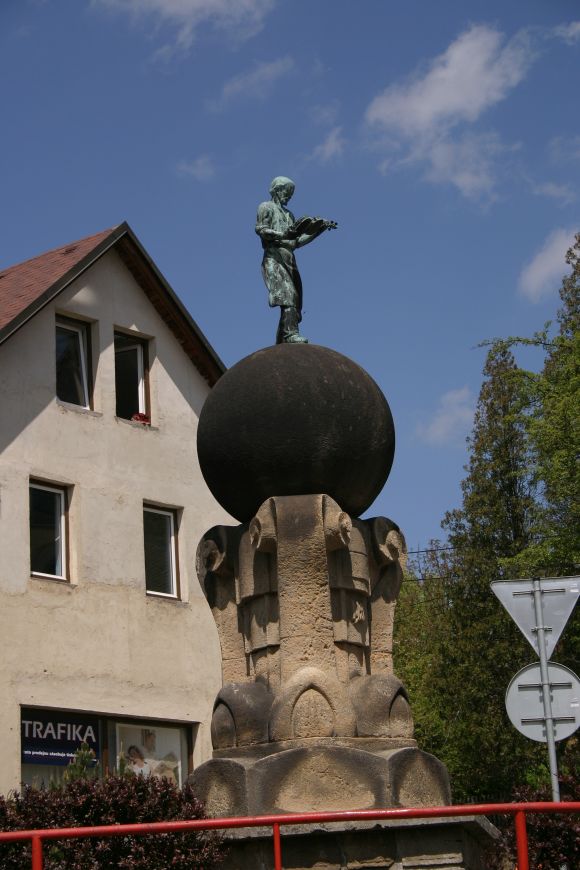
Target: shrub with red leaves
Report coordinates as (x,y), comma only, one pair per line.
(109,801)
(553,838)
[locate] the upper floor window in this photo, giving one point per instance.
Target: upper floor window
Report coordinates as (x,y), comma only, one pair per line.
(48,531)
(131,365)
(160,551)
(72,362)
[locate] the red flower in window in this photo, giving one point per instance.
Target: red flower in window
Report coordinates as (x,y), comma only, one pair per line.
(141,418)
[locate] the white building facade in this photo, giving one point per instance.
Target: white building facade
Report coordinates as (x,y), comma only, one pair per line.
(106,635)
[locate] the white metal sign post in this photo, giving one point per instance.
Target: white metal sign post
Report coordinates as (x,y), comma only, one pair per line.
(541,608)
(540,629)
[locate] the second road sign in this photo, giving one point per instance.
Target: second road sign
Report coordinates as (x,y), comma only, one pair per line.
(525,707)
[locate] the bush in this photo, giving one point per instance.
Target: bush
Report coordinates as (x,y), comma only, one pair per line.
(553,839)
(113,800)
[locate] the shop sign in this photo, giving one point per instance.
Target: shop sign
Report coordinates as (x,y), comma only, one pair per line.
(53,736)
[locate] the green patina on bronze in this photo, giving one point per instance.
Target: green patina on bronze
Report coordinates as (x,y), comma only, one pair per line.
(281,234)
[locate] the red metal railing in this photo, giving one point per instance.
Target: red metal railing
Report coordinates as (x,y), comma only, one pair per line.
(519,811)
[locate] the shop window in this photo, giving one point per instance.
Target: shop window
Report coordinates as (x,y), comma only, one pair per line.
(160,551)
(72,362)
(50,739)
(48,531)
(131,378)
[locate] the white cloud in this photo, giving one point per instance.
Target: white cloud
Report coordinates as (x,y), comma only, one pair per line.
(423,117)
(570,33)
(325,114)
(477,71)
(255,84)
(451,420)
(244,17)
(561,192)
(202,168)
(564,148)
(543,274)
(331,148)
(467,162)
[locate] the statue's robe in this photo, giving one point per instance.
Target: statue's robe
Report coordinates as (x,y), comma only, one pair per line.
(279,269)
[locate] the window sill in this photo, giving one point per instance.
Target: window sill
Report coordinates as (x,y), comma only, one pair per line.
(68,406)
(54,578)
(161,596)
(136,424)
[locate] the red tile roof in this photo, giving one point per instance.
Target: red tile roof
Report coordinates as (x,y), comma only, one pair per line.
(23,284)
(26,287)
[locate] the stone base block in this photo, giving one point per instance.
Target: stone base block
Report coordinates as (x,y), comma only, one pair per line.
(411,844)
(317,778)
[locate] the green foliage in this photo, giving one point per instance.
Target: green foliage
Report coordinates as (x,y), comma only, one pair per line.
(420,626)
(83,766)
(554,431)
(457,685)
(455,646)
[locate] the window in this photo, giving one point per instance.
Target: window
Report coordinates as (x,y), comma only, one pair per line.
(153,751)
(47,531)
(160,551)
(130,377)
(50,738)
(72,362)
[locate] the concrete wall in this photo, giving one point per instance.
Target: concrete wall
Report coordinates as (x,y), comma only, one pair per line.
(100,643)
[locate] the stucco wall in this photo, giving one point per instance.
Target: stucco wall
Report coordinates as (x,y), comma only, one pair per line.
(99,643)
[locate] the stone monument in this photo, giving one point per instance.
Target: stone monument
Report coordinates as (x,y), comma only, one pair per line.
(295,442)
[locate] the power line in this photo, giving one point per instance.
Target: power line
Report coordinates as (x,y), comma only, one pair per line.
(430,577)
(430,550)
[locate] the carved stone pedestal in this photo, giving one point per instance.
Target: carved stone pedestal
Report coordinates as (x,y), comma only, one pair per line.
(413,844)
(311,716)
(310,776)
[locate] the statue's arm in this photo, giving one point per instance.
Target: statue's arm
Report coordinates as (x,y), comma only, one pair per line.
(265,224)
(306,238)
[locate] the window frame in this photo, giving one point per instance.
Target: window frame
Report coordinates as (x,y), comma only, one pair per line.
(82,329)
(108,748)
(141,345)
(62,492)
(173,549)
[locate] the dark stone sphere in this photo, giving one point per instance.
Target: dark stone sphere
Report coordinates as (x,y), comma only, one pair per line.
(295,419)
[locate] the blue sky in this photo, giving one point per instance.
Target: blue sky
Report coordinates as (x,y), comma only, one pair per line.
(443,137)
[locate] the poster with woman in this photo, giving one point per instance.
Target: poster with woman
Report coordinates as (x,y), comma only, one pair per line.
(152,751)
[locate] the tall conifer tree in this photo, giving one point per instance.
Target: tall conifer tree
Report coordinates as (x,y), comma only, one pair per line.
(478,648)
(554,429)
(520,516)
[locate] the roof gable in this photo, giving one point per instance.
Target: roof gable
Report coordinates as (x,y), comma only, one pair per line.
(24,284)
(27,287)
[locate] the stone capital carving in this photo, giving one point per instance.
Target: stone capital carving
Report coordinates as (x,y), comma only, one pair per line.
(337,525)
(262,528)
(304,597)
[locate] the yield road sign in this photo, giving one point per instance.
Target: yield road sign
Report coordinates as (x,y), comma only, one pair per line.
(525,706)
(559,597)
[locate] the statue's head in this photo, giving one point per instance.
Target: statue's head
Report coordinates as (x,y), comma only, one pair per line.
(282,187)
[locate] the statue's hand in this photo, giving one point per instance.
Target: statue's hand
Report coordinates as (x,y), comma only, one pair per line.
(330,225)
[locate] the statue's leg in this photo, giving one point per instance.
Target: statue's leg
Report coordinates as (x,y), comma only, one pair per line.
(288,326)
(280,330)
